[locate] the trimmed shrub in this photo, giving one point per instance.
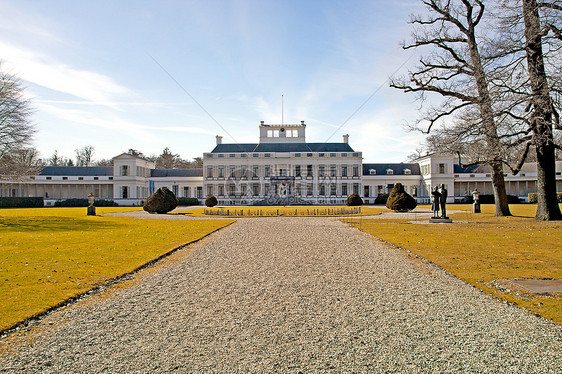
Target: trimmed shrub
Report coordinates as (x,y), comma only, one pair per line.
(211,201)
(381,198)
(69,203)
(354,200)
(161,201)
(187,201)
(400,200)
(21,202)
(533,198)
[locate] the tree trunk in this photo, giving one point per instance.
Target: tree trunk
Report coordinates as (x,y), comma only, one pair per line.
(500,194)
(541,122)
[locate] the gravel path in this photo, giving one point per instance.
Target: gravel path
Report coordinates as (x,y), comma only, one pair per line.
(293,295)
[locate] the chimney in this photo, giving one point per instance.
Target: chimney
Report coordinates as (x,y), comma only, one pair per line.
(302,123)
(219,140)
(262,122)
(346,138)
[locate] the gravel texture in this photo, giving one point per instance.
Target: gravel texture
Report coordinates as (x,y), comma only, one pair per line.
(292,295)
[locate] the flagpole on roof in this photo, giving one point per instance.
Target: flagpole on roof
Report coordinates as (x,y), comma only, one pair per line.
(282,111)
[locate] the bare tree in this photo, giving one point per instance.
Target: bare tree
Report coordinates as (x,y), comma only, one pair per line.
(19,163)
(16,130)
(84,155)
(456,70)
(58,160)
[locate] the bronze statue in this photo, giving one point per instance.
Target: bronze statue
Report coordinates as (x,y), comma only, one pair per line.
(435,199)
(443,200)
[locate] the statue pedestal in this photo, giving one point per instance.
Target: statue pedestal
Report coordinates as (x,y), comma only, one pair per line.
(91,210)
(440,220)
(476,208)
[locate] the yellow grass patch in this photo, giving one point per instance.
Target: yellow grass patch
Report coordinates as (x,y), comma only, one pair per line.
(50,254)
(276,211)
(486,249)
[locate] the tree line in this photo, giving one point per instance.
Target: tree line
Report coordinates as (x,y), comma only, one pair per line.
(490,85)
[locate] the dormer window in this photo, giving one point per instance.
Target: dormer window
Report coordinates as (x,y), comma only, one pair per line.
(389,171)
(407,171)
(272,133)
(372,172)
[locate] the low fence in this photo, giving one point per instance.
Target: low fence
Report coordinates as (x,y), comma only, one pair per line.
(291,212)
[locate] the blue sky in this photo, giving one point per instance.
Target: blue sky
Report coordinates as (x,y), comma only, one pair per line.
(89,68)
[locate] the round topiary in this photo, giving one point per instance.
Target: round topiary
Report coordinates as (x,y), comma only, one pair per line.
(354,200)
(211,201)
(162,201)
(400,200)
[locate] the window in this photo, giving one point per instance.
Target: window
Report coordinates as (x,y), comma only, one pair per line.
(243,189)
(309,188)
(309,155)
(125,192)
(333,189)
(267,155)
(389,171)
(110,178)
(176,189)
(332,155)
(344,170)
(267,171)
(322,190)
(292,133)
(221,171)
(231,189)
(344,155)
(372,172)
(232,155)
(309,170)
(356,154)
(243,155)
(231,171)
(297,171)
(407,171)
(221,155)
(356,188)
(221,189)
(82,178)
(255,155)
(187,192)
(209,172)
(297,155)
(209,156)
(199,192)
(366,191)
(272,133)
(321,155)
(48,178)
(344,189)
(209,190)
(124,170)
(96,178)
(442,168)
(355,171)
(321,170)
(333,171)
(255,171)
(64,178)
(256,189)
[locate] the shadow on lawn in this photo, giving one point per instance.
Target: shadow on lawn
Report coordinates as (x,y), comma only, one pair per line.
(53,224)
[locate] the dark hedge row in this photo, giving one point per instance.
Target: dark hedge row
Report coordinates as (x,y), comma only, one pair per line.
(71,203)
(533,197)
(21,202)
(187,201)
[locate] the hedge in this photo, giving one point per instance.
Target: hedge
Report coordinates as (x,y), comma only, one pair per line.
(21,202)
(381,198)
(186,201)
(533,197)
(68,203)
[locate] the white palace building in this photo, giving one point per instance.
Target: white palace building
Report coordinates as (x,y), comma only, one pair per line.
(281,168)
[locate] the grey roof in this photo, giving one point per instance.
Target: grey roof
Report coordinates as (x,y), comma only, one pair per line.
(472,169)
(162,173)
(282,147)
(86,171)
(398,169)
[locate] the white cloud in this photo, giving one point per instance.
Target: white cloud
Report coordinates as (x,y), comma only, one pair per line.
(43,71)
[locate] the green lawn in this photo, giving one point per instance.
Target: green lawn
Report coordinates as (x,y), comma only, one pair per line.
(486,248)
(50,254)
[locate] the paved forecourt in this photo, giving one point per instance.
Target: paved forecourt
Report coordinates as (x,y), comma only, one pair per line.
(291,295)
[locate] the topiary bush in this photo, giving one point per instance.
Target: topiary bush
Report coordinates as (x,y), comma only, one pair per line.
(354,200)
(533,198)
(211,201)
(161,201)
(187,201)
(381,198)
(399,200)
